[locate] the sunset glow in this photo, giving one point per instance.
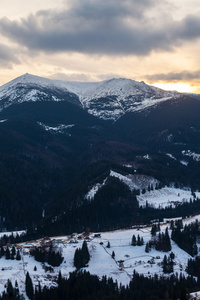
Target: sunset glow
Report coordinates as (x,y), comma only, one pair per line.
(179,87)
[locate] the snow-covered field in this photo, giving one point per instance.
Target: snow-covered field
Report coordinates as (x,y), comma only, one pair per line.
(101,262)
(165,197)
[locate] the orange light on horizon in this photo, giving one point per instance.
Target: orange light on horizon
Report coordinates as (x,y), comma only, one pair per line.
(179,87)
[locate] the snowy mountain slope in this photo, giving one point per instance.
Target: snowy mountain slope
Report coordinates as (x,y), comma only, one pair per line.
(28,88)
(157,198)
(136,181)
(107,100)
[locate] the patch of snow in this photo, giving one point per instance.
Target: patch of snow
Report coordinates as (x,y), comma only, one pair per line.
(171,156)
(128,166)
(8,233)
(146,156)
(60,128)
(189,153)
(169,138)
(165,197)
(92,192)
(183,162)
(2,121)
(136,181)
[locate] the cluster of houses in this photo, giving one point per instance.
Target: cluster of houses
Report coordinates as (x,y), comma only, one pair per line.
(55,243)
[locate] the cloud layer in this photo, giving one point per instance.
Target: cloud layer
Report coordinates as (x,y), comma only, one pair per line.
(8,56)
(113,27)
(174,77)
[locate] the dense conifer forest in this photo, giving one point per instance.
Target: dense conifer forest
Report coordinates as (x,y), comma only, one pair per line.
(83,286)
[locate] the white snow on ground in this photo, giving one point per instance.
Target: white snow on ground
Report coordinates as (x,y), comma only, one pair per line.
(60,128)
(8,233)
(189,153)
(165,197)
(92,192)
(171,156)
(101,262)
(146,156)
(183,162)
(136,181)
(195,295)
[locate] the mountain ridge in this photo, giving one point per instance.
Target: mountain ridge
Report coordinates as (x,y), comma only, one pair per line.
(107,100)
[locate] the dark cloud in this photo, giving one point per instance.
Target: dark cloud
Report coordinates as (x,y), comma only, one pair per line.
(173,77)
(7,56)
(101,27)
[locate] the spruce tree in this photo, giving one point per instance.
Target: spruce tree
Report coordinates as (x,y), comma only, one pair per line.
(133,241)
(81,256)
(29,286)
(18,256)
(10,290)
(7,253)
(85,253)
(2,252)
(147,248)
(13,252)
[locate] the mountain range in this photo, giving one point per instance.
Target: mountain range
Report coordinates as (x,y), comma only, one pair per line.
(108,100)
(59,139)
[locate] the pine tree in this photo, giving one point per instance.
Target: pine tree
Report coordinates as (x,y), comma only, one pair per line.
(18,256)
(147,248)
(108,245)
(168,265)
(81,256)
(143,191)
(133,241)
(13,252)
(77,258)
(10,290)
(59,278)
(154,229)
(85,253)
(138,240)
(2,252)
(113,255)
(172,255)
(29,286)
(7,253)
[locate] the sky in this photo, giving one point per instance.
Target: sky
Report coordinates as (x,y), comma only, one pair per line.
(91,40)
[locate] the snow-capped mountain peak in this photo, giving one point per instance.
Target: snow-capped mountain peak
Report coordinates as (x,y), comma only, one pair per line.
(108,99)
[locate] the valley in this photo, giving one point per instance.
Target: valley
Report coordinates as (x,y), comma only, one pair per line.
(106,161)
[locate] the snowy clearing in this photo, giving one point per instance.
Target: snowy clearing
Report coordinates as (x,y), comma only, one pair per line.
(165,197)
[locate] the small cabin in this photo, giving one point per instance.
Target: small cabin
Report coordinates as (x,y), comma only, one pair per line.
(97,235)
